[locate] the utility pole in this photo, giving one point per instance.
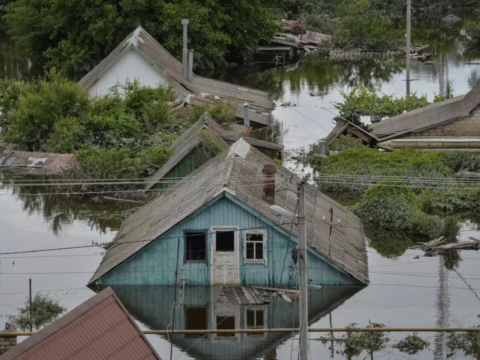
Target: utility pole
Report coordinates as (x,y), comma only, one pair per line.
(185,49)
(302,247)
(31,310)
(409,31)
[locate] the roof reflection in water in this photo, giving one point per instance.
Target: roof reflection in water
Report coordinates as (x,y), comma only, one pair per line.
(204,307)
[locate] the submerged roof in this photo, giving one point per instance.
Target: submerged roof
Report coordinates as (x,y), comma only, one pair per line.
(238,171)
(192,138)
(100,328)
(49,163)
(429,116)
(204,90)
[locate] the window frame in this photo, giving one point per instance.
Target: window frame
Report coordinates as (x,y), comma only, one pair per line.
(264,233)
(265,320)
(185,232)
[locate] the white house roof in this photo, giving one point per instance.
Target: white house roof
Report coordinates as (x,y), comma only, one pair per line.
(203,90)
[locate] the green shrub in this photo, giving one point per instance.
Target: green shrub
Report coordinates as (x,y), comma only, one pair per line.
(343,143)
(222,112)
(412,344)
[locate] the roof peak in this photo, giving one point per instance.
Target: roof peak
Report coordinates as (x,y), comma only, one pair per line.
(134,37)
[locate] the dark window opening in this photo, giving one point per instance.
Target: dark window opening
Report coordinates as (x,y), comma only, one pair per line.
(225,241)
(195,319)
(195,246)
(226,323)
(255,320)
(254,247)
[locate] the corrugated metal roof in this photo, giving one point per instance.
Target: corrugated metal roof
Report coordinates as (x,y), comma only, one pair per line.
(429,116)
(243,179)
(101,328)
(48,162)
(190,139)
(203,90)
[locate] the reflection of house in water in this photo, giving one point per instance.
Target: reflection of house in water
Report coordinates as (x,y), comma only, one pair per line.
(204,307)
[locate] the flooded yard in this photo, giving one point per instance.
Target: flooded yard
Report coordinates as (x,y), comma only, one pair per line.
(406,289)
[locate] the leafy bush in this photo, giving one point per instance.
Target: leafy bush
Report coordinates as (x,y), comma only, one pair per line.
(222,112)
(465,342)
(361,101)
(472,30)
(343,143)
(44,311)
(412,344)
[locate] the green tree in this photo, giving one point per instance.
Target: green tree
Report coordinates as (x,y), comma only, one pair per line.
(363,25)
(44,311)
(75,36)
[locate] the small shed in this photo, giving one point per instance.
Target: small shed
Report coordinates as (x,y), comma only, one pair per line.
(36,162)
(100,328)
(218,227)
(189,152)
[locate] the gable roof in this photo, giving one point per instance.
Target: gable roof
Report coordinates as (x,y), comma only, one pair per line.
(50,163)
(238,171)
(203,90)
(192,138)
(100,328)
(429,116)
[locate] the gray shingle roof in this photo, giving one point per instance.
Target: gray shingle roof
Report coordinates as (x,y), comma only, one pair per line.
(419,119)
(203,90)
(242,177)
(190,139)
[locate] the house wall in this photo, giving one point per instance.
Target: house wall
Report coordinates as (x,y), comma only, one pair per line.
(181,170)
(155,265)
(129,67)
(469,126)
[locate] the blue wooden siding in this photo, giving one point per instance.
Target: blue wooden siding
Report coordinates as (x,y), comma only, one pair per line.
(155,265)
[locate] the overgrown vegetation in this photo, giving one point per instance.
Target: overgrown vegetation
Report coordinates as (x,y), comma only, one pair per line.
(403,207)
(222,112)
(44,311)
(472,30)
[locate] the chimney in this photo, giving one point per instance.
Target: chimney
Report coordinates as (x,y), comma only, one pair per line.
(190,65)
(7,341)
(185,49)
(246,114)
(269,183)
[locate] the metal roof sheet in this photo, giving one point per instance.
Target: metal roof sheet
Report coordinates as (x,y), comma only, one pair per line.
(243,179)
(100,328)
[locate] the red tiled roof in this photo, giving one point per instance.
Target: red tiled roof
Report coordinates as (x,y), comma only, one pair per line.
(100,328)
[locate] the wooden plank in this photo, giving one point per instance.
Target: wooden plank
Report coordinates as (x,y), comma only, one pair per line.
(285,297)
(249,296)
(275,289)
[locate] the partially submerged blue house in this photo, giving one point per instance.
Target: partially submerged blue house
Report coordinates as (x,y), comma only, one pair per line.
(217,227)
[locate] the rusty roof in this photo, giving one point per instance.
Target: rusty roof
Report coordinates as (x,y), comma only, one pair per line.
(203,90)
(46,162)
(238,170)
(100,328)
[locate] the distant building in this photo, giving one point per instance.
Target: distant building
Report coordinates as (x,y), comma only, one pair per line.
(36,162)
(100,328)
(189,151)
(217,225)
(453,124)
(140,57)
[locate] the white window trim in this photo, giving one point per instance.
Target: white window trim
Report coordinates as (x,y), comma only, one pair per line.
(265,239)
(265,319)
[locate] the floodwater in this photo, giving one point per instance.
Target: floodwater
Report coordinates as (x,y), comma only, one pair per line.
(406,290)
